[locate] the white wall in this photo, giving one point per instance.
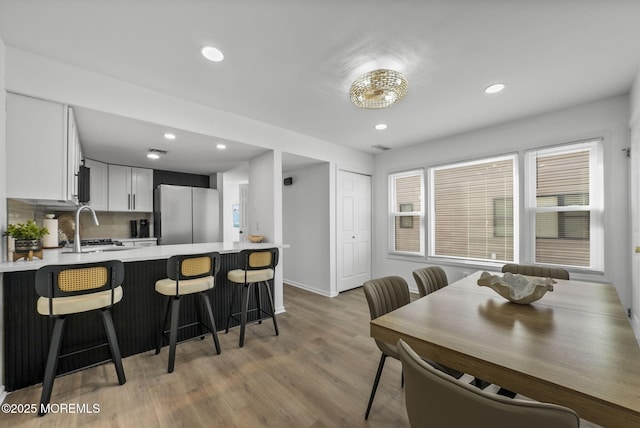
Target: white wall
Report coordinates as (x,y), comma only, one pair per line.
(231,196)
(634,224)
(607,118)
(306,214)
(265,211)
(3,204)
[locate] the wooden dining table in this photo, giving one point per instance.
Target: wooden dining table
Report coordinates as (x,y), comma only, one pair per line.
(574,347)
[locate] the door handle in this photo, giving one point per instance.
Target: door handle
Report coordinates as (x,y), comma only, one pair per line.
(128,201)
(134,201)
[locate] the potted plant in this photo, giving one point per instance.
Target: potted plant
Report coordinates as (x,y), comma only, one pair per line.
(28,237)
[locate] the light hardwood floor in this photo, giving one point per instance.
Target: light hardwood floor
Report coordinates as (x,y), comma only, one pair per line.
(317,373)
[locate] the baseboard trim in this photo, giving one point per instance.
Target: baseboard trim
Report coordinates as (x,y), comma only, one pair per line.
(3,394)
(309,288)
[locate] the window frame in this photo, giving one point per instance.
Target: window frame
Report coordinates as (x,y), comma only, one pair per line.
(595,208)
(514,157)
(392,177)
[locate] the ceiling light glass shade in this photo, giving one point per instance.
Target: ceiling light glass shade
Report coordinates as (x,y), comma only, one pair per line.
(378,89)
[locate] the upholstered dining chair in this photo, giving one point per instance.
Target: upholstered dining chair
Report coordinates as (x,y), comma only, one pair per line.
(67,290)
(436,400)
(530,270)
(428,280)
(383,296)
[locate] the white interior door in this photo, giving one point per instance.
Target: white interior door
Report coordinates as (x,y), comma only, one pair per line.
(354,229)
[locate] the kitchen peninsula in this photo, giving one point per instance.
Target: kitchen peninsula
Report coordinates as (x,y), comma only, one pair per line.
(137,318)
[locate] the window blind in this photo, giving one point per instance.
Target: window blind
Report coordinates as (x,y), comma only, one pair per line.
(473,215)
(564,205)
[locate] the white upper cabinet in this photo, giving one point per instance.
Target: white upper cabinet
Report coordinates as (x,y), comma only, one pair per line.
(99,184)
(130,189)
(43,150)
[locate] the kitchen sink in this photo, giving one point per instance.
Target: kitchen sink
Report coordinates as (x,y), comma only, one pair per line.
(101,248)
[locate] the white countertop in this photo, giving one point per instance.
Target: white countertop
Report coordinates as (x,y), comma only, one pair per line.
(131,254)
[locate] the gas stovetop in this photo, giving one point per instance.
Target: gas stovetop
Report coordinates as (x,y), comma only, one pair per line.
(102,241)
(96,242)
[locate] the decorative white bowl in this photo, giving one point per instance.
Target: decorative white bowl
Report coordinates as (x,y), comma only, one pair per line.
(517,288)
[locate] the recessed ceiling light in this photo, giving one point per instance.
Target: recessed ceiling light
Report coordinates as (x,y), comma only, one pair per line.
(494,89)
(381,126)
(221,146)
(169,136)
(152,155)
(212,54)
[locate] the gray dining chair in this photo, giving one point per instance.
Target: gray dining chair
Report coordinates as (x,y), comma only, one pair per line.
(530,270)
(383,296)
(434,399)
(430,279)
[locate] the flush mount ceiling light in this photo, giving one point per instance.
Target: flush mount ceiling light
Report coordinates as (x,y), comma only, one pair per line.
(381,126)
(169,136)
(221,146)
(155,153)
(212,54)
(494,89)
(378,89)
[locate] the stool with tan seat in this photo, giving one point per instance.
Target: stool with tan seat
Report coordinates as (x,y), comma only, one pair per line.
(258,267)
(73,289)
(187,274)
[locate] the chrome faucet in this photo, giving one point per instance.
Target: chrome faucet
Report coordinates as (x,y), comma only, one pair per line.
(76,239)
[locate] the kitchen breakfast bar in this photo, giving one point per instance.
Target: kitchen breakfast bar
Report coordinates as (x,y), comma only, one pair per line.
(138,318)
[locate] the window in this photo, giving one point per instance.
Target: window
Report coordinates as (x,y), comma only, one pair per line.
(406,208)
(564,205)
(473,215)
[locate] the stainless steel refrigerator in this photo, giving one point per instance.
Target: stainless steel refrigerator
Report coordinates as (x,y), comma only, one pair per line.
(185,215)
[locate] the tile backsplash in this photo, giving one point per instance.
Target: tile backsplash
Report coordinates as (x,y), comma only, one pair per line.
(112,224)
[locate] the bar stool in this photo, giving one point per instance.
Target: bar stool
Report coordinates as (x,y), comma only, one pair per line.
(187,274)
(72,289)
(258,268)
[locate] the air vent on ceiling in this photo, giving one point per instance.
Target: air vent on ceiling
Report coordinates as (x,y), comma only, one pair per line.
(158,151)
(381,147)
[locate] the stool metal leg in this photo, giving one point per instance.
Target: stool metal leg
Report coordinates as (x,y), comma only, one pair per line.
(173,335)
(164,326)
(214,333)
(273,309)
(52,364)
(245,308)
(199,318)
(113,344)
(233,299)
(258,302)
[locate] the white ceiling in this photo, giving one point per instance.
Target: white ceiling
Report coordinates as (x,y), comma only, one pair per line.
(290,63)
